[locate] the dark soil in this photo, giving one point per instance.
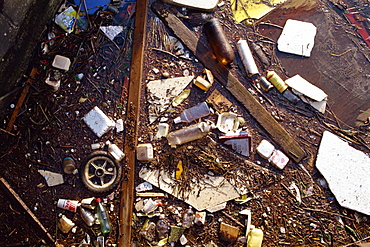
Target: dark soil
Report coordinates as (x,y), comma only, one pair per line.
(50,127)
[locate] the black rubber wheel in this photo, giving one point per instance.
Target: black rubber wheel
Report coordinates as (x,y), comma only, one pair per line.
(100,172)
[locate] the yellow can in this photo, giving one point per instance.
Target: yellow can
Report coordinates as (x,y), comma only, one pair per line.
(275,79)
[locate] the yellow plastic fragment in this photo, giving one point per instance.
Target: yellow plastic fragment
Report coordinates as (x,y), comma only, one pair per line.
(181,97)
(179,170)
(247,9)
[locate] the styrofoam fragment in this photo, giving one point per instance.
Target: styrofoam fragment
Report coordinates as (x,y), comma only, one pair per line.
(98,121)
(265,149)
(279,159)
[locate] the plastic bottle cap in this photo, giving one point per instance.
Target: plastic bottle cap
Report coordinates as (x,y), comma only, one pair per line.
(177,120)
(98,199)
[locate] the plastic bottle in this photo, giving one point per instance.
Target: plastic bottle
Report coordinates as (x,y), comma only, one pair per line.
(187,220)
(162,227)
(69,166)
(255,237)
(87,216)
(103,217)
(193,113)
(151,205)
(247,58)
(280,85)
(190,133)
(219,42)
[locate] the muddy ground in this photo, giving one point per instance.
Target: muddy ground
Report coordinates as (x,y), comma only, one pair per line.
(50,127)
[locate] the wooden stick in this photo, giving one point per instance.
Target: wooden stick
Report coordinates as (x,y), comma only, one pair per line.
(133,113)
(230,82)
(19,202)
(24,93)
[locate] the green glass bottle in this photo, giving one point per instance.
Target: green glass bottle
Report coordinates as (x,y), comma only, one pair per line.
(103,217)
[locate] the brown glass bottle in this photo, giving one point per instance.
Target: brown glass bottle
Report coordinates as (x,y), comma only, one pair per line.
(218,40)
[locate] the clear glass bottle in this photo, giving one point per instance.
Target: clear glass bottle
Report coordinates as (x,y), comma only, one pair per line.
(219,42)
(103,217)
(188,134)
(162,227)
(187,220)
(193,113)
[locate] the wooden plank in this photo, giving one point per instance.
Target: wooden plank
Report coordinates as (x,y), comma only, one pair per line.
(19,203)
(133,113)
(230,82)
(24,93)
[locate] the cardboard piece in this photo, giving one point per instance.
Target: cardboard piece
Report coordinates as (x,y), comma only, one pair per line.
(308,92)
(297,38)
(346,170)
(205,194)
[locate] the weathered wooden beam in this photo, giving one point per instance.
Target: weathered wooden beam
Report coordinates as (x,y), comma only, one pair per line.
(19,203)
(230,82)
(133,113)
(24,93)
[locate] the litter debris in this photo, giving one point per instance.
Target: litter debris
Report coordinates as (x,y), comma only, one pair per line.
(201,5)
(205,194)
(65,224)
(240,141)
(70,205)
(255,237)
(181,97)
(87,216)
(61,62)
(295,191)
(115,151)
(69,166)
(111,31)
(175,233)
(298,38)
(119,125)
(219,102)
(202,83)
(145,152)
(227,122)
(247,58)
(200,218)
(188,134)
(162,92)
(103,217)
(98,121)
(247,10)
(218,41)
(278,159)
(145,186)
(308,92)
(88,203)
(194,113)
(163,129)
(345,169)
(228,232)
(179,170)
(265,149)
(52,178)
(217,208)
(67,20)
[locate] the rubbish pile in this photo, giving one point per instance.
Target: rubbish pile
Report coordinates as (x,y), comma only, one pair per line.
(229,153)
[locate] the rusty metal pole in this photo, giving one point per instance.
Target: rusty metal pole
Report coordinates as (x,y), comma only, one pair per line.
(133,112)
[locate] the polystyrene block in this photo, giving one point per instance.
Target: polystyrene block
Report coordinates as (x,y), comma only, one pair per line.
(98,121)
